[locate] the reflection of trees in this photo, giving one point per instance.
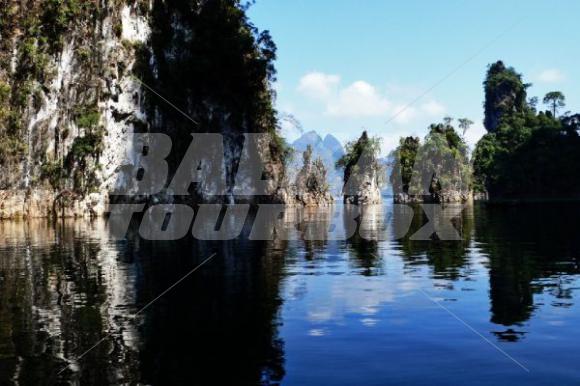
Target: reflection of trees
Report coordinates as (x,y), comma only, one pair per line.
(65,288)
(58,299)
(526,244)
(447,257)
(314,224)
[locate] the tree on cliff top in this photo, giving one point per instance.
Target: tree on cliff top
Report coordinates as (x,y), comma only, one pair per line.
(404,157)
(465,124)
(555,100)
(440,165)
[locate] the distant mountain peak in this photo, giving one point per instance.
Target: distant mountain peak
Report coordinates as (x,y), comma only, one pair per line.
(309,138)
(328,150)
(333,144)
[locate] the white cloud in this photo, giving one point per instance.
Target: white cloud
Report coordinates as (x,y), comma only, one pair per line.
(433,108)
(318,85)
(551,75)
(360,99)
(290,131)
(474,134)
(403,91)
(327,97)
(403,113)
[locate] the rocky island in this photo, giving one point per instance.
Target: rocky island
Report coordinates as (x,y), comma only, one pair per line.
(528,154)
(363,173)
(311,187)
(436,171)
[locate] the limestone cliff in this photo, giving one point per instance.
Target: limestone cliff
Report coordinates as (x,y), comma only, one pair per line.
(363,173)
(505,94)
(437,170)
(311,186)
(527,153)
(72,76)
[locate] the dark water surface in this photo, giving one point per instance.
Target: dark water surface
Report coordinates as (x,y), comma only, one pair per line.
(474,312)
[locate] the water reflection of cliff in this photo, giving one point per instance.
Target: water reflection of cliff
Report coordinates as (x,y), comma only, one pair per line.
(529,249)
(446,257)
(370,227)
(220,327)
(61,293)
(358,229)
(65,288)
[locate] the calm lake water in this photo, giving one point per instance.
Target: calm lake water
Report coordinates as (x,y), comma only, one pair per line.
(479,311)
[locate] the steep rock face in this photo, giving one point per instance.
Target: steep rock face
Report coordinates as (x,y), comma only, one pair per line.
(217,68)
(311,185)
(368,192)
(363,173)
(328,150)
(505,93)
(72,77)
(401,175)
(532,154)
(71,104)
(437,170)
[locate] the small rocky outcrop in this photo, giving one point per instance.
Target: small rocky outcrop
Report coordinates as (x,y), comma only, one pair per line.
(311,185)
(448,197)
(363,173)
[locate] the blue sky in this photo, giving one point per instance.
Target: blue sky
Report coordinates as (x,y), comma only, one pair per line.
(345,65)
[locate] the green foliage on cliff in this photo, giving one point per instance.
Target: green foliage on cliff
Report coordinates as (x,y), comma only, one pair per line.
(88,118)
(438,166)
(365,145)
(280,148)
(528,154)
(217,67)
(54,173)
(442,162)
(32,34)
(11,148)
(311,179)
(5,91)
(354,150)
(82,162)
(404,157)
(505,93)
(60,15)
(361,156)
(83,147)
